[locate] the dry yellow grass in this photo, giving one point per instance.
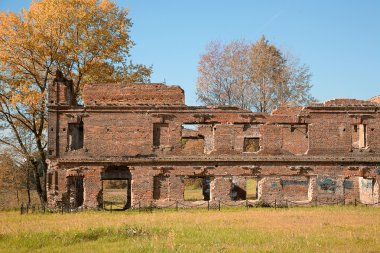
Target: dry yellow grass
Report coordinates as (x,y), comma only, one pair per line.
(115,195)
(193,194)
(322,229)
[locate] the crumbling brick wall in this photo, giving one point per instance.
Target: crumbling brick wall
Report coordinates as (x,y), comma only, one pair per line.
(298,154)
(132,94)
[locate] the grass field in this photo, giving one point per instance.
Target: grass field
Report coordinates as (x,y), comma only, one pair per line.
(193,190)
(322,229)
(117,196)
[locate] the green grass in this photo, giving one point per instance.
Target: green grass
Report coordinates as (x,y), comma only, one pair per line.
(322,229)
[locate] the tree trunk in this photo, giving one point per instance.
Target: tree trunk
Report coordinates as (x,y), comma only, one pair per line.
(41,191)
(28,186)
(15,182)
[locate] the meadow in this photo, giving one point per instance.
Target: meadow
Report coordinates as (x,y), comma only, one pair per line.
(308,229)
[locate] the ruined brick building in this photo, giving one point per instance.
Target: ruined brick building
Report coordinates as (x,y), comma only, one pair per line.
(145,134)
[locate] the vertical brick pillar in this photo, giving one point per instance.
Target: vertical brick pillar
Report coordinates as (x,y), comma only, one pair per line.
(270,189)
(312,192)
(142,185)
(92,184)
(221,188)
(57,188)
(176,188)
(376,190)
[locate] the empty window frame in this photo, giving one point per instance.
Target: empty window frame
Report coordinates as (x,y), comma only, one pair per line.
(251,188)
(251,144)
(75,136)
(246,190)
(191,140)
(197,188)
(359,136)
(197,138)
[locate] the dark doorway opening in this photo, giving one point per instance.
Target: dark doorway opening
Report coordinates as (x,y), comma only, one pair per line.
(75,136)
(117,188)
(75,191)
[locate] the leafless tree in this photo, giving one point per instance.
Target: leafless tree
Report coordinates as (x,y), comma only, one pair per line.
(254,76)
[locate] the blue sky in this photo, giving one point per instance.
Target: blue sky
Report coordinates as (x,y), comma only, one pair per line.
(338,40)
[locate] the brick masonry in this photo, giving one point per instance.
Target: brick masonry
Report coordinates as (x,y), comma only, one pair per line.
(327,152)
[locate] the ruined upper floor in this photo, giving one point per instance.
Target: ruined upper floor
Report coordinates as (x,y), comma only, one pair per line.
(121,121)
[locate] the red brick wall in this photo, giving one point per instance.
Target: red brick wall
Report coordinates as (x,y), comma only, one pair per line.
(324,184)
(119,94)
(330,134)
(221,188)
(295,139)
(306,154)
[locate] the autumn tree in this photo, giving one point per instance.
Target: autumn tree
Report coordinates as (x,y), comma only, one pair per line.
(223,78)
(254,76)
(88,40)
(14,181)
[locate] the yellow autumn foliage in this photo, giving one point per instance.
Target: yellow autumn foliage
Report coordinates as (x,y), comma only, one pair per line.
(87,40)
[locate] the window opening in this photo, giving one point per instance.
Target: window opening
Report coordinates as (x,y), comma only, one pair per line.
(197,188)
(359,136)
(251,188)
(251,144)
(75,136)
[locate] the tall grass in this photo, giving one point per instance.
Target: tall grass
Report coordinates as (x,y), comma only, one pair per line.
(322,229)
